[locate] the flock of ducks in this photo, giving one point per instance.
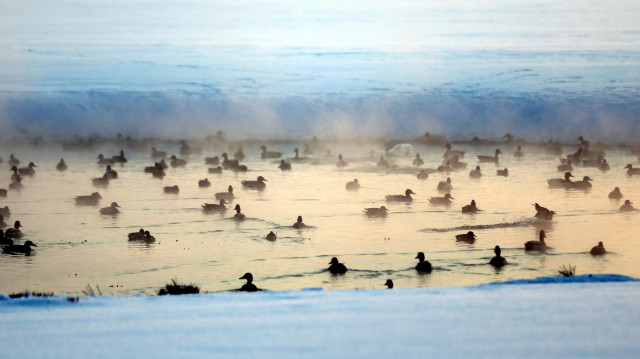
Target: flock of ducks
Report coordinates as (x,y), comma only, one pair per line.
(451,162)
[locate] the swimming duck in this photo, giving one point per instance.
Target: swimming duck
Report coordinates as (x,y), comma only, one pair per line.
(227,163)
(423,265)
(561,182)
(213,161)
(537,245)
(565,167)
(16,185)
(423,174)
(14,232)
(445,186)
(28,171)
(299,224)
(215,170)
(204,183)
(5,211)
(111,210)
(90,200)
(445,167)
(632,171)
(475,173)
(382,162)
(104,161)
(493,158)
(441,200)
(450,153)
(101,181)
(15,177)
(297,156)
(400,198)
(239,216)
(598,250)
(389,284)
(239,168)
(5,241)
(584,184)
(418,161)
(13,161)
(615,194)
(455,163)
(341,162)
(177,162)
(226,195)
(627,206)
(337,267)
(249,286)
(518,152)
(110,173)
(271,236)
(17,248)
(119,158)
(468,237)
(470,208)
(134,236)
(376,212)
(543,212)
(61,166)
(157,154)
(171,189)
(148,237)
(604,166)
(284,166)
(504,172)
(212,207)
(258,184)
(239,155)
(353,185)
(269,154)
(498,261)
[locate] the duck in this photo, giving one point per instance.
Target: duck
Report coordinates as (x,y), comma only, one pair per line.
(450,153)
(615,194)
(110,173)
(539,245)
(213,161)
(15,176)
(423,265)
(422,175)
(382,162)
(376,212)
(627,206)
(3,192)
(239,168)
(445,167)
(19,249)
(28,171)
(16,185)
(445,186)
(239,216)
(446,199)
(204,183)
(299,224)
(353,185)
(135,236)
(177,162)
(5,241)
(632,171)
(399,197)
(158,154)
(119,158)
(297,155)
(543,212)
(111,210)
(239,155)
(455,163)
(494,158)
(185,149)
(284,166)
(271,236)
(565,167)
(593,162)
(171,189)
(226,195)
(604,166)
(470,208)
(13,161)
(504,172)
(468,237)
(269,154)
(227,163)
(61,166)
(519,152)
(215,170)
(14,232)
(148,237)
(475,173)
(584,184)
(337,267)
(418,161)
(5,211)
(341,162)
(101,181)
(389,284)
(217,208)
(249,286)
(90,200)
(498,261)
(3,224)
(257,184)
(561,182)
(598,250)
(104,161)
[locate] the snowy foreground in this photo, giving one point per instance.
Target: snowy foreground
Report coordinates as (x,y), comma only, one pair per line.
(582,316)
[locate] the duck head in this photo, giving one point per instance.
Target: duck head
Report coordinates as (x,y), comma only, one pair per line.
(567,175)
(261,179)
(29,244)
(299,220)
(497,251)
(389,283)
(420,256)
(448,196)
(237,208)
(334,260)
(114,205)
(408,192)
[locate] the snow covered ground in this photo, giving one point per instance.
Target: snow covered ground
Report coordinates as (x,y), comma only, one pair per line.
(582,317)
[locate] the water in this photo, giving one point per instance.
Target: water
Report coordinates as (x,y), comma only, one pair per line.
(78,246)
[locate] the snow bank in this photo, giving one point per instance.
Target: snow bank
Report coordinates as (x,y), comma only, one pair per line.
(584,316)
